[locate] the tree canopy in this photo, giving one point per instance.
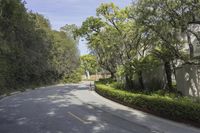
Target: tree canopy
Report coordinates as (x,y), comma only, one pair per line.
(31,53)
(130,40)
(89,63)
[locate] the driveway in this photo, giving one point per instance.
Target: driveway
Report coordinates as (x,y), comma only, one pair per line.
(74,108)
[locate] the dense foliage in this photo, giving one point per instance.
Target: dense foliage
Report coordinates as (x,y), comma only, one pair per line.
(31,53)
(89,63)
(141,36)
(179,109)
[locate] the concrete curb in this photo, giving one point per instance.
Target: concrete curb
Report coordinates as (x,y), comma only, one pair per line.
(14,93)
(29,89)
(3,96)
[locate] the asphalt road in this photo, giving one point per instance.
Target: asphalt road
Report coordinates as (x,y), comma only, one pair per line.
(56,109)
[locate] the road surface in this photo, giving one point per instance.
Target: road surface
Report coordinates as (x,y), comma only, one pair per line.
(66,109)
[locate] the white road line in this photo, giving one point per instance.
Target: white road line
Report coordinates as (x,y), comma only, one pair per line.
(156,131)
(78,118)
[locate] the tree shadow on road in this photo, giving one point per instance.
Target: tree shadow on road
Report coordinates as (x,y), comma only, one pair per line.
(56,110)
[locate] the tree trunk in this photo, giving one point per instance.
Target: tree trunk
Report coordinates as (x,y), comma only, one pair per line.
(191,47)
(169,75)
(129,83)
(112,75)
(141,80)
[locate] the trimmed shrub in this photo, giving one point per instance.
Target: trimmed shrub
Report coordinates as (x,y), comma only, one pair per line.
(105,81)
(118,85)
(180,109)
(74,77)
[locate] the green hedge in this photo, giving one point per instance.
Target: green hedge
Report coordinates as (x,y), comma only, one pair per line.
(176,109)
(105,81)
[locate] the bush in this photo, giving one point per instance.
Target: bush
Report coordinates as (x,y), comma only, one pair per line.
(181,109)
(74,77)
(106,81)
(118,85)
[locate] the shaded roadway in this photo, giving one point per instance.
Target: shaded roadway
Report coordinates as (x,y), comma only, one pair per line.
(56,109)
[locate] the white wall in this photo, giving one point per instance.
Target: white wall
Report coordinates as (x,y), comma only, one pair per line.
(188,79)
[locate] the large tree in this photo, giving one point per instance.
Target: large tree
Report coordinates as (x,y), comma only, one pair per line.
(31,53)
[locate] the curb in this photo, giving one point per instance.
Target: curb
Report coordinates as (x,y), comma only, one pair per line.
(29,89)
(14,93)
(3,96)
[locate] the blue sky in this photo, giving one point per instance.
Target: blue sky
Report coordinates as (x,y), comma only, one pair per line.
(62,12)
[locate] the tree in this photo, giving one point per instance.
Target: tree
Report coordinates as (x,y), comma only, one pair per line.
(114,39)
(89,64)
(154,16)
(126,38)
(31,53)
(91,29)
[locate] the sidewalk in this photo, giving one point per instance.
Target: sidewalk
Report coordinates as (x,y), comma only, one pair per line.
(156,124)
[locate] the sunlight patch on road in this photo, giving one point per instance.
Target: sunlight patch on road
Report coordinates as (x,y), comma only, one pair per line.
(156,131)
(59,101)
(39,99)
(82,86)
(63,105)
(54,96)
(99,127)
(92,118)
(51,113)
(22,121)
(78,118)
